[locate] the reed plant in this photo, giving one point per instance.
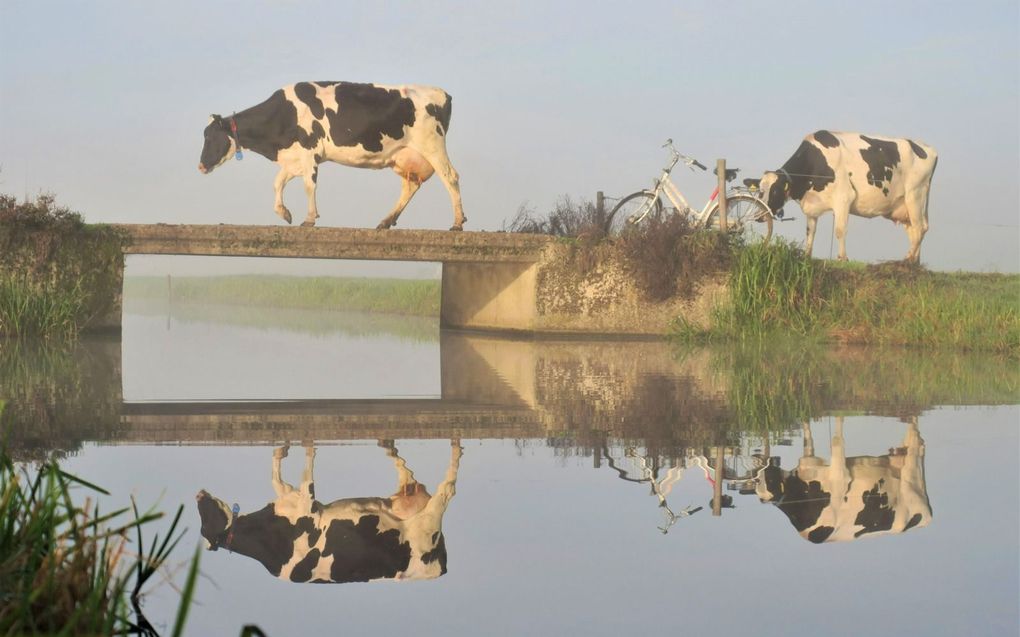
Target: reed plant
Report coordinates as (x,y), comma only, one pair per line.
(29,310)
(68,569)
(57,273)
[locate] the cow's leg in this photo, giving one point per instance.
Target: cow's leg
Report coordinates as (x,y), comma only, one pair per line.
(441,163)
(311,178)
(405,476)
(279,486)
(838,471)
(809,241)
(407,190)
(917,226)
(281,180)
(448,487)
(842,218)
(414,170)
(307,482)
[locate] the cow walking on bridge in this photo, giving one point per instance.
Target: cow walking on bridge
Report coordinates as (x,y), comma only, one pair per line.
(855,174)
(299,539)
(362,125)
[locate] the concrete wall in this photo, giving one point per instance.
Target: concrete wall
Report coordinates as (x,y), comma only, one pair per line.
(592,292)
(492,296)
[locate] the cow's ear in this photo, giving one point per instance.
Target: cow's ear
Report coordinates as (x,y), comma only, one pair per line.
(215,119)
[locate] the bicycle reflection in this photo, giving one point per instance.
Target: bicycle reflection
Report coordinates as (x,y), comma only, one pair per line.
(839,500)
(299,539)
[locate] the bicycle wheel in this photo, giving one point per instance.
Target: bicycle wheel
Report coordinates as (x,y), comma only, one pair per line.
(746,215)
(631,210)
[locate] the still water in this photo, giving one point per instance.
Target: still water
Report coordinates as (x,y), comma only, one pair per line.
(490,486)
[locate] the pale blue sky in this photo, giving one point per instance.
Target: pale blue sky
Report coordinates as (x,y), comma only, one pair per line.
(103,103)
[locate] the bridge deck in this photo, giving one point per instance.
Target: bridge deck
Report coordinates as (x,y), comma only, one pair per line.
(333,243)
(263,422)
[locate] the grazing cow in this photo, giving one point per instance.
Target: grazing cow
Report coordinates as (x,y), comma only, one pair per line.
(361,125)
(299,539)
(851,497)
(863,175)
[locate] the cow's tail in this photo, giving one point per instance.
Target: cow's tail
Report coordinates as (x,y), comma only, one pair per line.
(927,199)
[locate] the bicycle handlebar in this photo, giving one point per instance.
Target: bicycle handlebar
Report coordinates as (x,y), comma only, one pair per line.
(677,156)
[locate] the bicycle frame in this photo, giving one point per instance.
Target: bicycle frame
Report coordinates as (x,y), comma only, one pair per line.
(667,187)
(664,185)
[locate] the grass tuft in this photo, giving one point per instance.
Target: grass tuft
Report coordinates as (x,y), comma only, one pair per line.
(67,568)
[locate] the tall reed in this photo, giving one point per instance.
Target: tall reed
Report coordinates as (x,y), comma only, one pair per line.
(773,286)
(39,310)
(67,569)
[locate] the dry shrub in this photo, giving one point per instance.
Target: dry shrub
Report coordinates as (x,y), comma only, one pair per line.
(569,219)
(668,257)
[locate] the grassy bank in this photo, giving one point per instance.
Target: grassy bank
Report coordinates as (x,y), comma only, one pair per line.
(58,275)
(413,297)
(775,289)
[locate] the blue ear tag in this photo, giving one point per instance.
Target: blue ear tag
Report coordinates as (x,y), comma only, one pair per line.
(236,508)
(238,156)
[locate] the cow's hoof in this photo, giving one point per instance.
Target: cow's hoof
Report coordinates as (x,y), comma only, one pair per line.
(383,226)
(308,223)
(285,215)
(456,228)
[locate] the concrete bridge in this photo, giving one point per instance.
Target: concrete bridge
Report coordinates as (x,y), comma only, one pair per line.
(490,280)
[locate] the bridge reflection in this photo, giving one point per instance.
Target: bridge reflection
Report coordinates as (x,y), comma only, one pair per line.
(574,395)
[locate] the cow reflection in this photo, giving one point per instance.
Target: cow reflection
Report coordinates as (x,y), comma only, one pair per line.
(851,497)
(299,539)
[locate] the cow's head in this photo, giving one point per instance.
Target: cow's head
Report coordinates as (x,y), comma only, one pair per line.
(216,519)
(775,190)
(219,144)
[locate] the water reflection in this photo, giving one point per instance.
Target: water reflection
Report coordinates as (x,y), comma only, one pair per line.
(644,469)
(582,445)
(300,539)
(836,500)
(850,497)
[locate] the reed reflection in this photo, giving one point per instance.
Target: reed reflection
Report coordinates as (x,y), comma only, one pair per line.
(299,539)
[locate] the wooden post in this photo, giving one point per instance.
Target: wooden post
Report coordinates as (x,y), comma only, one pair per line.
(600,204)
(720,472)
(720,170)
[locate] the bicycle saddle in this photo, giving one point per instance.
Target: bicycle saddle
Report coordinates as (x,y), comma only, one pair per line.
(731,173)
(752,183)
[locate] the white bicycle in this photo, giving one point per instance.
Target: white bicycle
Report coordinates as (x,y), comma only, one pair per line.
(746,213)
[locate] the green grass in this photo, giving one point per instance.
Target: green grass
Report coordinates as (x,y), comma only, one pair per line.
(57,274)
(775,289)
(67,568)
(28,310)
(414,297)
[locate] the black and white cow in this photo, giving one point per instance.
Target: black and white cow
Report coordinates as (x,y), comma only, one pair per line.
(361,125)
(854,497)
(854,174)
(299,539)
